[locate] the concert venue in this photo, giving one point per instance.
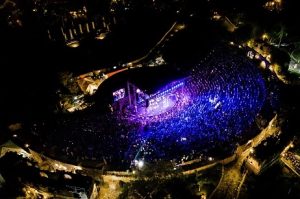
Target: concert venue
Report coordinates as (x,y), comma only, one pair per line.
(204,112)
(115,99)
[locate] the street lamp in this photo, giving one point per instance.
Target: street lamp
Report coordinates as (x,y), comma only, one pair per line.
(140,164)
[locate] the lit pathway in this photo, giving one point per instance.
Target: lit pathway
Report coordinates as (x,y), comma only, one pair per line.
(233,179)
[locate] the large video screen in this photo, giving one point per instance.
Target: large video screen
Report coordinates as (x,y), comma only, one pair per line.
(119,94)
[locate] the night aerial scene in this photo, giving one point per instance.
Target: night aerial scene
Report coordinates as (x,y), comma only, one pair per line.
(152,99)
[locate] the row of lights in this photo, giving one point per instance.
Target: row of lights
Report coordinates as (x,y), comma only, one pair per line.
(76,43)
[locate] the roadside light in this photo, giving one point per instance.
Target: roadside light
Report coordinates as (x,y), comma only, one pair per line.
(180,26)
(265,36)
(249,43)
(140,164)
(73,44)
(101,36)
(263,64)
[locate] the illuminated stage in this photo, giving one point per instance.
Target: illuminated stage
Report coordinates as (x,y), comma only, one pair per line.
(157,106)
(139,106)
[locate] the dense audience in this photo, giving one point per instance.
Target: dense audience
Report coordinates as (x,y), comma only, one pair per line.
(224,95)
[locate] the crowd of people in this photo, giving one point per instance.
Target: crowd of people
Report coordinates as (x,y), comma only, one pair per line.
(294,160)
(225,94)
(218,102)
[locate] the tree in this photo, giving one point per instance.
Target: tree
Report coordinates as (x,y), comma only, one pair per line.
(281,58)
(277,34)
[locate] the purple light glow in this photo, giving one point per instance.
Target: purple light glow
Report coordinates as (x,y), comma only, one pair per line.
(167,99)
